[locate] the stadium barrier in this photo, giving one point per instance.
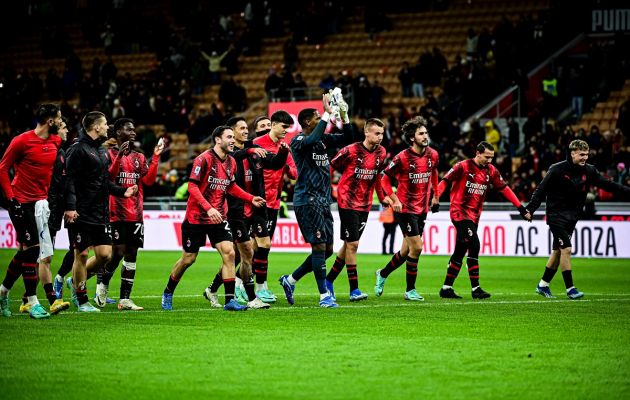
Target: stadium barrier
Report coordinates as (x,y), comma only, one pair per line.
(501,233)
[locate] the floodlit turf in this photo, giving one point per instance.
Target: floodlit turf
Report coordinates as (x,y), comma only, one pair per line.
(514,345)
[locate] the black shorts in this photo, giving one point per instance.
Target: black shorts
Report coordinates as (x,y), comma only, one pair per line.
(352,224)
(86,235)
(466,230)
(562,233)
(128,233)
(240,230)
(194,235)
(258,224)
(411,224)
(25,225)
(272,219)
(315,222)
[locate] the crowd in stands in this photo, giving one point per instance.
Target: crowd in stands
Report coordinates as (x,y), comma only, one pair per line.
(207,53)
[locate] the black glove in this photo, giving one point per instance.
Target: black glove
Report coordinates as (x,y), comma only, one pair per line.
(523,212)
(15,208)
(435,208)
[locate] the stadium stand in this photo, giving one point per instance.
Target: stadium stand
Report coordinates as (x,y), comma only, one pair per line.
(461,53)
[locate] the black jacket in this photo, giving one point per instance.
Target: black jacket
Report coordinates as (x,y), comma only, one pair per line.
(88,183)
(565,187)
(57,192)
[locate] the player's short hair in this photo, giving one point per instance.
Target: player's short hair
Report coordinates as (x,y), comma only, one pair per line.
(305,115)
(218,132)
(483,146)
(282,116)
(411,126)
(120,122)
(260,118)
(234,120)
(46,111)
(91,119)
(578,145)
(374,121)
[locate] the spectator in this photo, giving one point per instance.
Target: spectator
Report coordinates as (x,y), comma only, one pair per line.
(214,65)
(405,76)
(291,55)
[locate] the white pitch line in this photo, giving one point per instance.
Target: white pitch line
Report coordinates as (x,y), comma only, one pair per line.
(448,303)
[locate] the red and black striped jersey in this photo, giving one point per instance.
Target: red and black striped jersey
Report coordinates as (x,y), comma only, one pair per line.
(213,176)
(469,186)
(132,169)
(273,178)
(360,172)
(416,174)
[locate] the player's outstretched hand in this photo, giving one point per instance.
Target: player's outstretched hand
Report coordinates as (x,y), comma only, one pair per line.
(435,205)
(70,216)
(259,151)
(159,147)
(131,191)
(258,201)
(397,206)
(214,215)
(326,104)
(525,214)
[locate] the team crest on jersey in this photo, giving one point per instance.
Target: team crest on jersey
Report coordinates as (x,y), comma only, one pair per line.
(318,234)
(378,161)
(188,243)
(78,238)
(259,228)
(430,163)
(487,178)
(28,236)
(116,235)
(136,163)
(197,170)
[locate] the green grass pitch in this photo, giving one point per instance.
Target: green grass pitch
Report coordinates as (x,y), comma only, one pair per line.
(514,345)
